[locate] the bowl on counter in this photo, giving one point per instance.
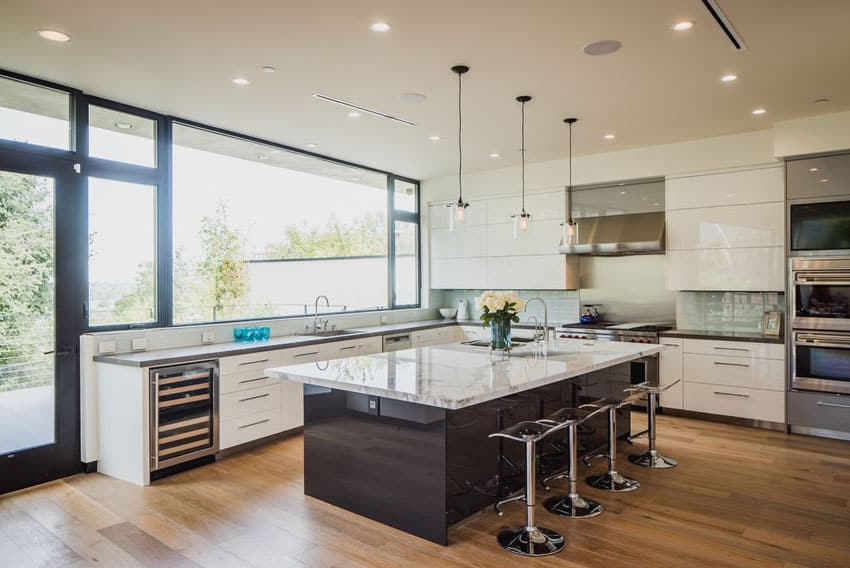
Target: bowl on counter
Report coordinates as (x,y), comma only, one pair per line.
(448,313)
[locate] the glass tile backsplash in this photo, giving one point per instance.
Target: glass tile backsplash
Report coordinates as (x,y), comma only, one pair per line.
(726,311)
(563,304)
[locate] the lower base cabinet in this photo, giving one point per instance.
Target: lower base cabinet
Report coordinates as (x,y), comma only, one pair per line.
(250,427)
(819,411)
(754,404)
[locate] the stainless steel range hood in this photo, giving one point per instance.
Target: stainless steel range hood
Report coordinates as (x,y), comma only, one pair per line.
(636,233)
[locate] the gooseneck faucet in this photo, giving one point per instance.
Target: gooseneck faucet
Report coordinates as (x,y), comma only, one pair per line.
(545,316)
(316,310)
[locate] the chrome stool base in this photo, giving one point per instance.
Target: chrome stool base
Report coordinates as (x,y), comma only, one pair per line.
(574,507)
(653,459)
(614,482)
(539,542)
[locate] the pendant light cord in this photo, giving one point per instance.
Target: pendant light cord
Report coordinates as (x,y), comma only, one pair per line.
(570,190)
(459,143)
(522,151)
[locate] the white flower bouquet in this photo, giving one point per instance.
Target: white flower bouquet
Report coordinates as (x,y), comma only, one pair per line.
(499,307)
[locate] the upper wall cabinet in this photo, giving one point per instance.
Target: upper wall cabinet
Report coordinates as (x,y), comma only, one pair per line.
(726,231)
(486,255)
(762,185)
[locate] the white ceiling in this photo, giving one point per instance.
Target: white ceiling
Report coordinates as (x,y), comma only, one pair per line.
(178,57)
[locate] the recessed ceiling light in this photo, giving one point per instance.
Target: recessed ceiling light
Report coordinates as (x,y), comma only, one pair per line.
(824,180)
(729,78)
(311,145)
(683,25)
(644,198)
(495,155)
(54,35)
(622,193)
(380,27)
(354,114)
(241,81)
(604,47)
(656,204)
(609,136)
(759,111)
(268,69)
(434,138)
(813,169)
(123,125)
(820,101)
(412,98)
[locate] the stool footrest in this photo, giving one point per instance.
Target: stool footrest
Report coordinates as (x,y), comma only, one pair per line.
(537,542)
(614,482)
(573,506)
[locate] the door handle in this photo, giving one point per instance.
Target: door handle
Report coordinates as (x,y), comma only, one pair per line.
(59,352)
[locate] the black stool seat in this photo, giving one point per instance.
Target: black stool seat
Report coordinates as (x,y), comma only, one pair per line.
(612,480)
(565,415)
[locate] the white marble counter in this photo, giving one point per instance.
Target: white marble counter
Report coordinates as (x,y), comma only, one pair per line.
(455,376)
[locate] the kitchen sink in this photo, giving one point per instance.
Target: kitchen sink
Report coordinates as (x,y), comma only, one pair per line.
(335,333)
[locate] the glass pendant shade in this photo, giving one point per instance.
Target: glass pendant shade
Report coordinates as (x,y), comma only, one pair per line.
(570,234)
(522,225)
(459,216)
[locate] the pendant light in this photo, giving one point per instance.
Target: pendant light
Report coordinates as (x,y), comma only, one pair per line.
(522,220)
(459,212)
(570,232)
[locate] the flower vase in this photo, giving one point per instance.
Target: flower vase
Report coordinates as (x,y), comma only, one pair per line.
(500,335)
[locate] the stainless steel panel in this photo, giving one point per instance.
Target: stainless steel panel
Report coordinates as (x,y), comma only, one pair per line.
(638,233)
(820,411)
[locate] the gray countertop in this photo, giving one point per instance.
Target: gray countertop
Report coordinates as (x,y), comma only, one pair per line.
(455,376)
(724,335)
(215,350)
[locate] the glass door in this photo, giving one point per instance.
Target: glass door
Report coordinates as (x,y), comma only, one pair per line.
(40,317)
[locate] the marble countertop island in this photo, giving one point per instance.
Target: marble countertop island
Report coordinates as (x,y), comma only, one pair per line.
(456,376)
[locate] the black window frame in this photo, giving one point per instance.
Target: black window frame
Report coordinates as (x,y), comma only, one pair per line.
(161,178)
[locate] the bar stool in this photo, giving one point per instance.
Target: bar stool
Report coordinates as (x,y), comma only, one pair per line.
(611,480)
(651,458)
(528,540)
(571,505)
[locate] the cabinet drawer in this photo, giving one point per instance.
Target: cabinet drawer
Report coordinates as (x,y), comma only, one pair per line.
(735,371)
(755,404)
(249,427)
(233,382)
(822,411)
(423,338)
(735,348)
(450,334)
(306,354)
(353,347)
(249,362)
(242,403)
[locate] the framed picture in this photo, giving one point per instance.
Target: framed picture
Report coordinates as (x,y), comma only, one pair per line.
(772,323)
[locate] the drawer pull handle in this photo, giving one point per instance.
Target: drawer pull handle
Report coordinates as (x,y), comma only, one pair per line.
(252,380)
(730,364)
(253,424)
(732,349)
(259,396)
(832,404)
(669,345)
(253,362)
(305,354)
(732,394)
(349,347)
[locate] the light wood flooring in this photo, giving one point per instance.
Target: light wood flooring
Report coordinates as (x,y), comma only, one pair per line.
(740,497)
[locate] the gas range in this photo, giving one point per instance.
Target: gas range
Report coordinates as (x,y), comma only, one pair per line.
(640,332)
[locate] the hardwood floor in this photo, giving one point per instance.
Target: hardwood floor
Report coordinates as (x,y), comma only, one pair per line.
(740,497)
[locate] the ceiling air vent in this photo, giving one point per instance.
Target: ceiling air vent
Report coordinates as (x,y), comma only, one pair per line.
(724,24)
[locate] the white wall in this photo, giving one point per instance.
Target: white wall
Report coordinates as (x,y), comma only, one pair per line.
(815,134)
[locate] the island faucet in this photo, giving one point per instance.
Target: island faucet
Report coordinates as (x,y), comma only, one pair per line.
(316,311)
(545,316)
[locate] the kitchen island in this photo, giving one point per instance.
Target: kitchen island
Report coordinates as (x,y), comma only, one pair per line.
(401,437)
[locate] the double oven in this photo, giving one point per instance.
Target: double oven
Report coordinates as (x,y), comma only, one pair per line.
(819,273)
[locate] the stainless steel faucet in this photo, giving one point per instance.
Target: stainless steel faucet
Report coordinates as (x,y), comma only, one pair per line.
(316,310)
(545,316)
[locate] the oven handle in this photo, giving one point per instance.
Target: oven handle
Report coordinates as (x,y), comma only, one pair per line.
(832,404)
(822,341)
(825,278)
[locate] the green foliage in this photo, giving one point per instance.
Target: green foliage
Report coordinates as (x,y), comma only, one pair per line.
(223,263)
(26,277)
(365,236)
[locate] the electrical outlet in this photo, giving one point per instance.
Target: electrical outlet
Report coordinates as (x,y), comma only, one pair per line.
(106,347)
(139,344)
(208,337)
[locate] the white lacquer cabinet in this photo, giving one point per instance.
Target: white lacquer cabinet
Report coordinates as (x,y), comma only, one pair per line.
(726,230)
(670,370)
(486,255)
